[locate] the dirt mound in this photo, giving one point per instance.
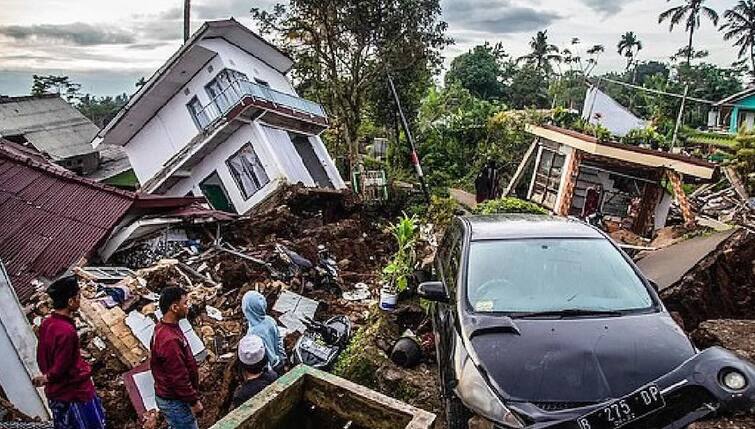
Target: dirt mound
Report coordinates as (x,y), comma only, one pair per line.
(735,335)
(720,286)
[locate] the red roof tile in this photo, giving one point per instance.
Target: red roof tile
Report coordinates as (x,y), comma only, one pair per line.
(50,218)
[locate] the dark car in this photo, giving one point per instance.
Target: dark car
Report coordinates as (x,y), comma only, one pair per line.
(543,322)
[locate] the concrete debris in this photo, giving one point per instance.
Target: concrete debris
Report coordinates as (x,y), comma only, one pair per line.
(216,271)
(111,324)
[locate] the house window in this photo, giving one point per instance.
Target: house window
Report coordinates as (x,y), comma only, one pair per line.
(198,113)
(548,178)
(222,91)
(247,171)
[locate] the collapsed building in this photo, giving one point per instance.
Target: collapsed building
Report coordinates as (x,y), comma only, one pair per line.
(221,120)
(574,174)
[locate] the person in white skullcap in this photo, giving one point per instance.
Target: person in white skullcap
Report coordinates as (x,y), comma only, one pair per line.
(255,371)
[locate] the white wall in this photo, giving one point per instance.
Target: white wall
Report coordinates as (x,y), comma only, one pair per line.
(239,60)
(215,161)
(18,346)
(173,127)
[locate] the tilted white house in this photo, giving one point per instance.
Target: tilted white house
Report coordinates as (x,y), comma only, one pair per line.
(220,119)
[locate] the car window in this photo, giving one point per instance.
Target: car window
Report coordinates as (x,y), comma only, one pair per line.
(537,275)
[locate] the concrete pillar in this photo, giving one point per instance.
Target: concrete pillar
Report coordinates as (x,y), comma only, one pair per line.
(681,198)
(573,161)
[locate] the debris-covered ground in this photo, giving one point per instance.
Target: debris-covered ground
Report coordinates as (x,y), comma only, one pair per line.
(220,266)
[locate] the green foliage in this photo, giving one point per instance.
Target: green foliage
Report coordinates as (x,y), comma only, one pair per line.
(529,88)
(482,71)
(52,84)
(356,362)
(646,136)
(508,205)
(396,274)
(101,110)
(740,27)
(745,158)
(690,12)
(342,53)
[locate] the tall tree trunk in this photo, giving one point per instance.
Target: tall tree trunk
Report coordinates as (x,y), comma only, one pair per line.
(689,47)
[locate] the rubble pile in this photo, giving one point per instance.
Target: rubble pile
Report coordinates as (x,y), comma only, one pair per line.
(719,286)
(217,272)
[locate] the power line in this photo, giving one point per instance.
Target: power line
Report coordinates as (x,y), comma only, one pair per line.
(657,91)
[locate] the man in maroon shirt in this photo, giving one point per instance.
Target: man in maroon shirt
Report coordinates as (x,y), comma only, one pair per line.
(173,366)
(67,378)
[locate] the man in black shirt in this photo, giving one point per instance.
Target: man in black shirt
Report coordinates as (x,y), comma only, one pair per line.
(255,370)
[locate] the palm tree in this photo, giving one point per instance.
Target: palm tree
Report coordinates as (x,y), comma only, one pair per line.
(629,46)
(542,53)
(691,9)
(740,25)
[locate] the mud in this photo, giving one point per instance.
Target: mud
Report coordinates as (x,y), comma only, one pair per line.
(719,287)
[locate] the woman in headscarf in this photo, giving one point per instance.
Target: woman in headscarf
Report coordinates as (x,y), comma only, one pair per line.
(254,306)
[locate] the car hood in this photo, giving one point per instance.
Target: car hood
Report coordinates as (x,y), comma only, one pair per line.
(584,360)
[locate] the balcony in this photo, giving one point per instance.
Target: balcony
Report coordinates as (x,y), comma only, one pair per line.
(243,98)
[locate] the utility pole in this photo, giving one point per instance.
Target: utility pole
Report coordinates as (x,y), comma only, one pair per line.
(679,117)
(187,19)
(415,157)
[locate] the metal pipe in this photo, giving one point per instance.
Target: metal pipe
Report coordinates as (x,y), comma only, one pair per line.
(415,157)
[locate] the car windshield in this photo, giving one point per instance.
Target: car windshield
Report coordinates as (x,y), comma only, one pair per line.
(552,275)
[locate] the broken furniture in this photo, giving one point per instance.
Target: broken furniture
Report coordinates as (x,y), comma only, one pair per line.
(282,404)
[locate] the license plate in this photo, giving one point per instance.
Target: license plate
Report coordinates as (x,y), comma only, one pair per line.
(625,410)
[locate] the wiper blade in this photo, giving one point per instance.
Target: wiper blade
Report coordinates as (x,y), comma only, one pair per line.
(571,312)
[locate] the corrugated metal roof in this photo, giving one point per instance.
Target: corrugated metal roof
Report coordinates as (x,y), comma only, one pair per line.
(49,218)
(49,123)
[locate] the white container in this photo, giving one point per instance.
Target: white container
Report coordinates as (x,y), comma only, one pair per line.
(388,299)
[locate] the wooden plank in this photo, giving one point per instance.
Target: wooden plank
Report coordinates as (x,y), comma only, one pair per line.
(529,157)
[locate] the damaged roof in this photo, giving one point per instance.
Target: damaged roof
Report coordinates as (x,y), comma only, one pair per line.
(179,69)
(51,218)
(49,124)
(633,154)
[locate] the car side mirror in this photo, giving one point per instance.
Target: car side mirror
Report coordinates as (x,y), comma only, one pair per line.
(655,286)
(432,291)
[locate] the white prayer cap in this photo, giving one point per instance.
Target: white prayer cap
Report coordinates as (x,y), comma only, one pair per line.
(251,349)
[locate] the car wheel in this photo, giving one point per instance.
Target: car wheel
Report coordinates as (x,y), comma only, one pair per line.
(457,415)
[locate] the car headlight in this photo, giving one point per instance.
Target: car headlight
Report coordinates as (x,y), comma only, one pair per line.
(475,393)
(733,379)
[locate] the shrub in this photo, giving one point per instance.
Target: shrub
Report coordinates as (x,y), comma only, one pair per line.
(396,274)
(508,205)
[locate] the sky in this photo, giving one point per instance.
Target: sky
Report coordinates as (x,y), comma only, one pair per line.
(108,45)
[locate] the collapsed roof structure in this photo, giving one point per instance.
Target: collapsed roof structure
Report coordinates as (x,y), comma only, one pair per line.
(52,218)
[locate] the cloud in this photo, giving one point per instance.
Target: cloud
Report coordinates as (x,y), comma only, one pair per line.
(78,34)
(220,9)
(606,7)
(496,16)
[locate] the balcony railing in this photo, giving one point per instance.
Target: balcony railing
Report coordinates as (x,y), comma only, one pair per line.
(233,93)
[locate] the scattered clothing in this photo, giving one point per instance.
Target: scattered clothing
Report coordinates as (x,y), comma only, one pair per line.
(254,306)
(69,376)
(173,365)
(249,388)
(78,414)
(177,413)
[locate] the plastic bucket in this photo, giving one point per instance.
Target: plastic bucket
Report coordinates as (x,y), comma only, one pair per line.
(388,300)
